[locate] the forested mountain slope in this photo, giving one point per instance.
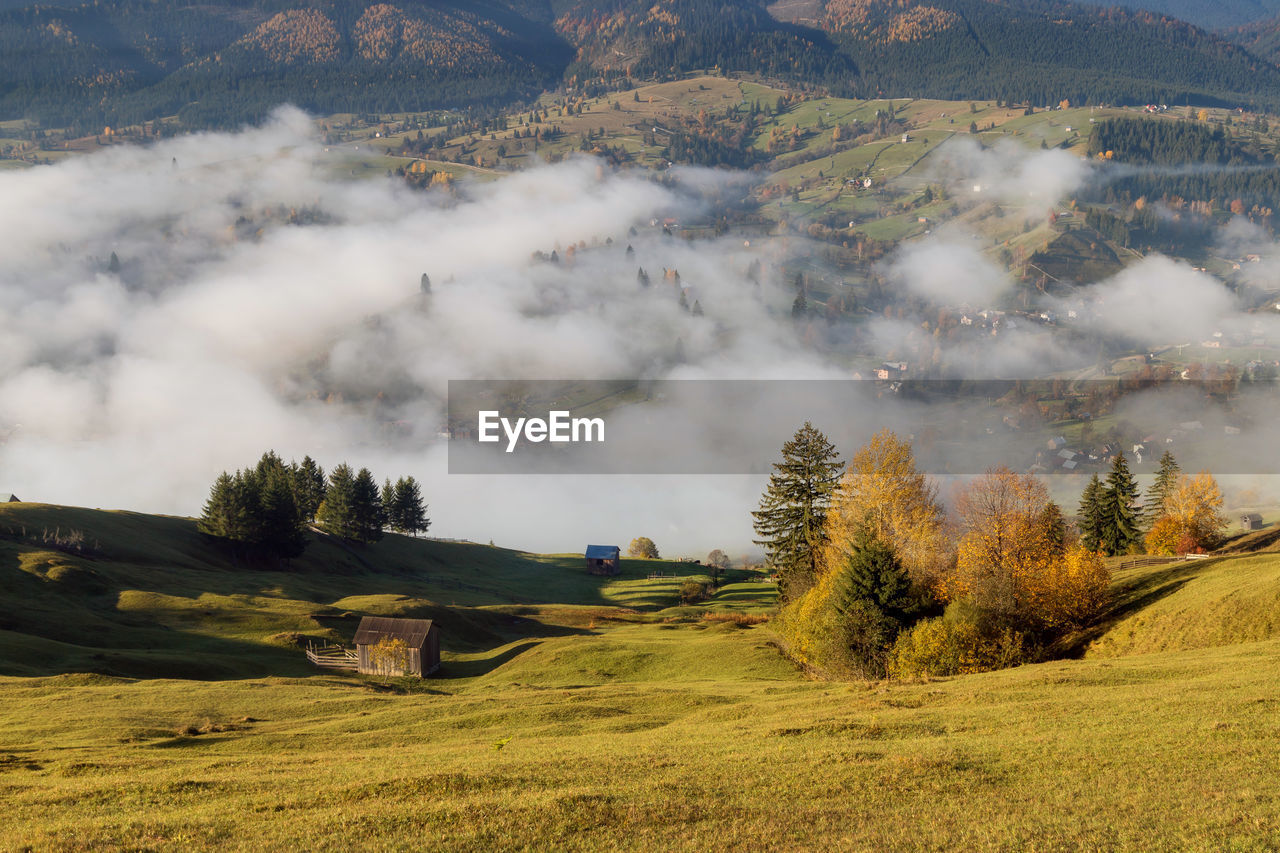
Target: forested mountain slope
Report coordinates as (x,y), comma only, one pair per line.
(91,64)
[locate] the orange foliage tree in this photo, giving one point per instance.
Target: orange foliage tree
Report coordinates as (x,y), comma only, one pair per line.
(1011,561)
(1192,519)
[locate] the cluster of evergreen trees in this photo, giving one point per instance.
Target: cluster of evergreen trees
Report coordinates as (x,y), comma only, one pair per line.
(1111,519)
(265,510)
(1248,174)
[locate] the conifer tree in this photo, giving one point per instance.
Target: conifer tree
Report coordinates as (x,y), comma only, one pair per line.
(219,515)
(793,509)
(280,523)
(800,306)
(368,515)
(1054,524)
(872,574)
(336,514)
(308,487)
(1090,515)
(1119,518)
(255,509)
(1165,483)
(407,513)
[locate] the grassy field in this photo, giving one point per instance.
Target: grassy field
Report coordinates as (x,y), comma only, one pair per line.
(577,712)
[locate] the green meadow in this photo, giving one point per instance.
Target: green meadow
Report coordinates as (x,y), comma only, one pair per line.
(155,697)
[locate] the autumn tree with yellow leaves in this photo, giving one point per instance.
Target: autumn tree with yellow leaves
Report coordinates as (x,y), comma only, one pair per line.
(883,495)
(1018,580)
(1013,562)
(1191,520)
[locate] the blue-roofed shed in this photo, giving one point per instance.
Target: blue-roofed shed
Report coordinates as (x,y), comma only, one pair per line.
(603,559)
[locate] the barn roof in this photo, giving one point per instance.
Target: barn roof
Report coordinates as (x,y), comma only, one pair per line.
(374,628)
(603,552)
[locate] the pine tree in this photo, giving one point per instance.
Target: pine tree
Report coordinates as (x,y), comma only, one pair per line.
(409,513)
(1165,483)
(281,528)
(1090,515)
(368,516)
(642,277)
(800,306)
(1054,523)
(873,574)
(308,487)
(255,509)
(336,514)
(424,285)
(1119,518)
(389,502)
(218,516)
(697,308)
(793,509)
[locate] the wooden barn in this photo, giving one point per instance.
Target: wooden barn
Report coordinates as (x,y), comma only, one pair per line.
(391,647)
(1251,521)
(603,559)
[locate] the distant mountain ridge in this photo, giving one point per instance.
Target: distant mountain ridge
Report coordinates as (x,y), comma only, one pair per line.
(222,62)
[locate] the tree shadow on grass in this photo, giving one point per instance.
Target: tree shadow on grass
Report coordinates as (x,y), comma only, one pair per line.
(1129,597)
(482,666)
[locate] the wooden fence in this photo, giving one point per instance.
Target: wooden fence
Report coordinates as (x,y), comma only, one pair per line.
(1139,562)
(333,657)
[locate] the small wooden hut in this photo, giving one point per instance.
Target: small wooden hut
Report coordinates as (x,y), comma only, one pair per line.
(392,647)
(603,559)
(1251,521)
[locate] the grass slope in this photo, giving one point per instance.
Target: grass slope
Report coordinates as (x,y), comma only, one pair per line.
(1193,605)
(580,713)
(161,600)
(1170,752)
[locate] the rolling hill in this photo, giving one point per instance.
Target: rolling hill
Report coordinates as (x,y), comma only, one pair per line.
(149,596)
(580,713)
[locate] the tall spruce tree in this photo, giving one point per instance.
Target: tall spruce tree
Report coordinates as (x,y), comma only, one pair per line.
(1054,523)
(1090,515)
(1120,529)
(389,502)
(793,509)
(1166,481)
(368,514)
(407,513)
(219,514)
(281,528)
(336,514)
(308,487)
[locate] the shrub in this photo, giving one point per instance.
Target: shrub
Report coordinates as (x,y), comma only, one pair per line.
(691,592)
(742,620)
(961,641)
